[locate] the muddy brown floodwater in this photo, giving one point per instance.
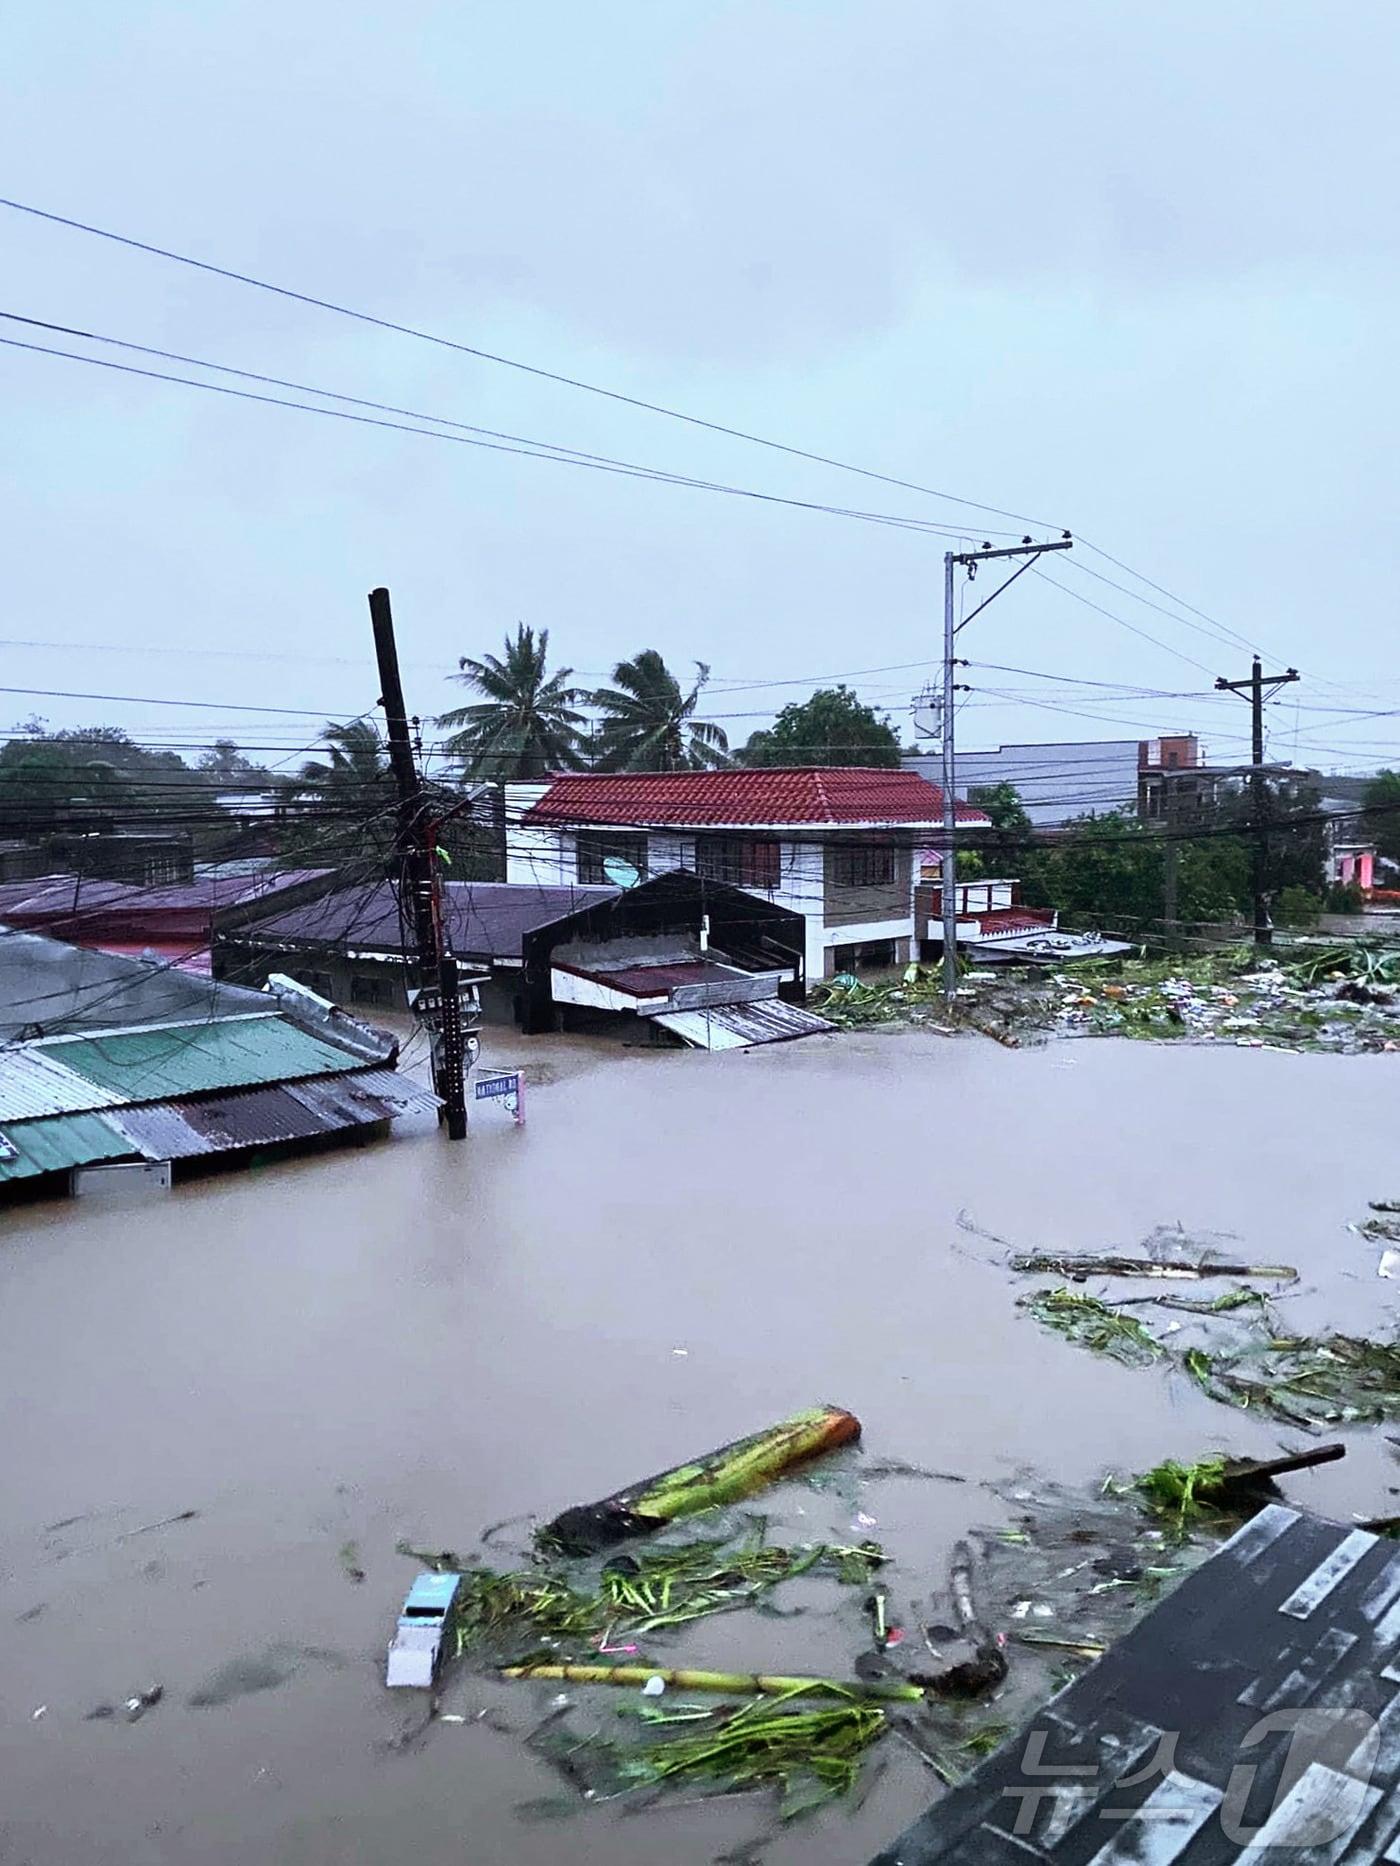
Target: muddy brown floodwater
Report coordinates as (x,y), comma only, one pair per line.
(419,1340)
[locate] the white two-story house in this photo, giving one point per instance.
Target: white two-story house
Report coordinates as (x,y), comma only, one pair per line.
(835,843)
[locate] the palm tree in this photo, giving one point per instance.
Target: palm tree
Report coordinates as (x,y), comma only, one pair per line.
(526,725)
(344,801)
(650,725)
(357,763)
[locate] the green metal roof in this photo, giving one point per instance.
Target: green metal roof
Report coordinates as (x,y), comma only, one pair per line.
(57,1142)
(188,1059)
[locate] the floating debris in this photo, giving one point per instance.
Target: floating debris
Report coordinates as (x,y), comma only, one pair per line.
(1095,1324)
(639,1595)
(729,1684)
(1310,998)
(417,1649)
(1330,1380)
(1077,1266)
(732,1472)
(810,1756)
(1220,1486)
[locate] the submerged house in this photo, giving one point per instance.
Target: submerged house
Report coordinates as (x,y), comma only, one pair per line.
(679,957)
(107,1061)
(833,844)
(173,922)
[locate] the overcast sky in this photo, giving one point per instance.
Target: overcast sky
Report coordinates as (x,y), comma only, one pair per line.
(1128,270)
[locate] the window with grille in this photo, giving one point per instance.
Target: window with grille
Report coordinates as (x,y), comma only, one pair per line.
(740,860)
(865,865)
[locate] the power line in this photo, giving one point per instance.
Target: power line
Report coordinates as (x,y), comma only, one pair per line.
(1131,627)
(531,369)
(146,699)
(654,475)
(614,395)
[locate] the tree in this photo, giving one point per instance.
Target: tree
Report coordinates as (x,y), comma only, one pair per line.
(1382,802)
(834,727)
(59,783)
(1106,871)
(343,804)
(648,724)
(527,724)
(1296,854)
(224,762)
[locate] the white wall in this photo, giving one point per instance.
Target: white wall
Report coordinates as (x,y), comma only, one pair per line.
(549,857)
(543,856)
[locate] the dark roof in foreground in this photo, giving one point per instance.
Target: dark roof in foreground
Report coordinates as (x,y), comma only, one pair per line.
(47,986)
(486,919)
(1173,1748)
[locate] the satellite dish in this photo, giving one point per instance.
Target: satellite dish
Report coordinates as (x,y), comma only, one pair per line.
(621,873)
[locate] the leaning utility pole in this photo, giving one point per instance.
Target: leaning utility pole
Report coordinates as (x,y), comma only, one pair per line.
(1254,686)
(436,968)
(948,865)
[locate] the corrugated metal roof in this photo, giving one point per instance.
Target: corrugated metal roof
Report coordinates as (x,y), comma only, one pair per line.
(368,1089)
(262,1117)
(34,1083)
(179,1130)
(53,1145)
(188,1059)
(47,986)
(737,1026)
(485,919)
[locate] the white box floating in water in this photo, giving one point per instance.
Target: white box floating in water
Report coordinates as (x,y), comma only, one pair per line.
(416,1653)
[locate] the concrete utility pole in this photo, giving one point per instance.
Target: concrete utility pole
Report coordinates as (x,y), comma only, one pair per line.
(948,871)
(435,968)
(1254,686)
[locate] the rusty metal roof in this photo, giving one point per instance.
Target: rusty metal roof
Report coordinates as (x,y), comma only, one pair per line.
(354,1097)
(264,1117)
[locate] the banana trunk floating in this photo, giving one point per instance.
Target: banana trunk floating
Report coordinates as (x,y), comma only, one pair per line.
(722,1476)
(729,1684)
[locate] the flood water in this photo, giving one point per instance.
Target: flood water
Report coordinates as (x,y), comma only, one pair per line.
(420,1340)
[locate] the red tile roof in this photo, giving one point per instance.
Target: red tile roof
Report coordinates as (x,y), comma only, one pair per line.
(747,799)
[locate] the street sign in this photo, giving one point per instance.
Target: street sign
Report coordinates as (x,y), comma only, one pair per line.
(507,1086)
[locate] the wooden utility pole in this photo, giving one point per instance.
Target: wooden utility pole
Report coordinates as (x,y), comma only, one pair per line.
(435,969)
(1254,686)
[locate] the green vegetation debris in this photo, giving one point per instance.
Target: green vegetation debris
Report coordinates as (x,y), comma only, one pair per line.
(1312,1382)
(1181,1492)
(1094,1324)
(1333,1380)
(635,1595)
(811,1756)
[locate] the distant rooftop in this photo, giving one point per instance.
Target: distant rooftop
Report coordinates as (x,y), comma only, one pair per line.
(48,987)
(486,919)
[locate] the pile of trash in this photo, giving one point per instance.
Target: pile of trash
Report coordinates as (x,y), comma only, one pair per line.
(1342,999)
(1314,1003)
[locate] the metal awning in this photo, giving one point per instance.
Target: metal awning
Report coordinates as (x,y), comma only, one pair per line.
(1051,947)
(737,1026)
